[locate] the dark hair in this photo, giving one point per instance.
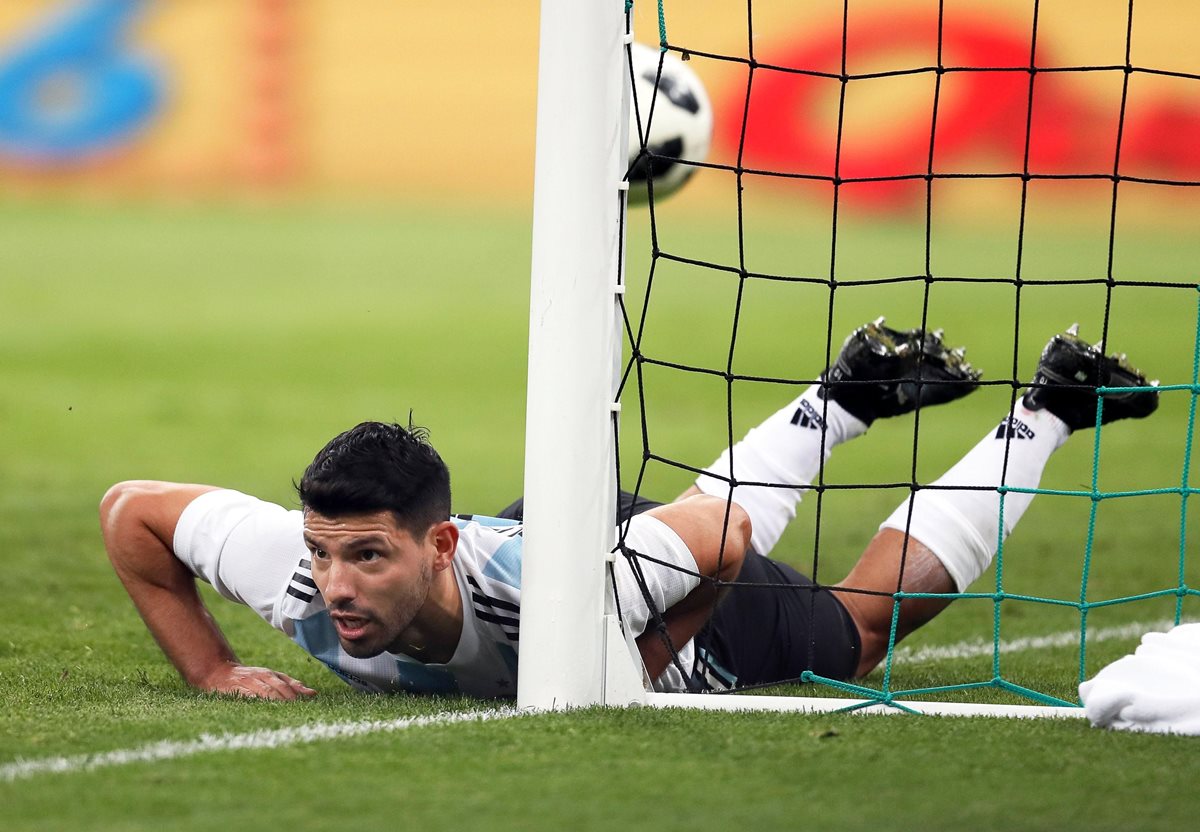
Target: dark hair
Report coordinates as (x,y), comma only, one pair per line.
(376,466)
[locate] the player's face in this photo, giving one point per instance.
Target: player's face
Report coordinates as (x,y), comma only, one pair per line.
(373,575)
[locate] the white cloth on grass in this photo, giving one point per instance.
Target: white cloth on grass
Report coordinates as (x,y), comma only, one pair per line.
(1154,689)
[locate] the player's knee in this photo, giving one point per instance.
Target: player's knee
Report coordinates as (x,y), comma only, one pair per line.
(731,526)
(741,527)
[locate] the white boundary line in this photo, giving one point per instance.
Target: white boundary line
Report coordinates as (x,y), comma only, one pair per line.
(979,648)
(976,648)
(206,743)
(319,732)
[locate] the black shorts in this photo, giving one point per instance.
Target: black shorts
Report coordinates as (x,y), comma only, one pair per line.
(773,624)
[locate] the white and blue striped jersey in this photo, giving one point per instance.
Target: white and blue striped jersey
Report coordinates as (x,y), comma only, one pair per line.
(253,552)
(487,568)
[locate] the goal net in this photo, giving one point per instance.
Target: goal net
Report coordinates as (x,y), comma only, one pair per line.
(998,173)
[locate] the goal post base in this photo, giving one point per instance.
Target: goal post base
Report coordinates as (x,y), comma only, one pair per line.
(625,680)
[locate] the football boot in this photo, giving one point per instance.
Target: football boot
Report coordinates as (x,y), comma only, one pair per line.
(882,372)
(1068,375)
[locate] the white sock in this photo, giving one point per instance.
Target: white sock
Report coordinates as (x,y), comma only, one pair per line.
(787,449)
(962,527)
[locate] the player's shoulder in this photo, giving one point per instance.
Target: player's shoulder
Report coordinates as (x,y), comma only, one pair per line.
(501,524)
(489,550)
(484,535)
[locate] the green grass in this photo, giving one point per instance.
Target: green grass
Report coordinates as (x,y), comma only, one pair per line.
(673,770)
(225,345)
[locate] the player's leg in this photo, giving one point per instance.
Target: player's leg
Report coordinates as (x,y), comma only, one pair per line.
(880,372)
(943,537)
(773,625)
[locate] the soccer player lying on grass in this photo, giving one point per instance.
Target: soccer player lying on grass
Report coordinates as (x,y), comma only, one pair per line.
(374,577)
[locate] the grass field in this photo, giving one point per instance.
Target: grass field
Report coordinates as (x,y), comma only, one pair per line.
(226,344)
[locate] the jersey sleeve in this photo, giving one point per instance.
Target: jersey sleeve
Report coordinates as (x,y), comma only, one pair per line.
(248,549)
(668,578)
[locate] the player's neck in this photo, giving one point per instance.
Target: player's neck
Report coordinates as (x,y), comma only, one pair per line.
(433,635)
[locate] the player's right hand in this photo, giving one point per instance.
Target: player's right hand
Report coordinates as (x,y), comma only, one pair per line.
(256,683)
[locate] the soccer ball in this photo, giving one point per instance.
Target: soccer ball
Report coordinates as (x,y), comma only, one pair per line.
(680,124)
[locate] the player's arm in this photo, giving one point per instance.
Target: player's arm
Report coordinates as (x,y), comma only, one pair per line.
(138,520)
(717,533)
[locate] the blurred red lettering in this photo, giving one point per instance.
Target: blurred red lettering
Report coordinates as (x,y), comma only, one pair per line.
(986,118)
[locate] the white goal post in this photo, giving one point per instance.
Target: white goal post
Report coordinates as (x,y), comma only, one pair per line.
(572,651)
(574,346)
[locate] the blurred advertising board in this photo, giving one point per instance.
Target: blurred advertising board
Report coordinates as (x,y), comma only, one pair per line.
(367,98)
(397,100)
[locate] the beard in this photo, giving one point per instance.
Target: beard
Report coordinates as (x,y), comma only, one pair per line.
(383,627)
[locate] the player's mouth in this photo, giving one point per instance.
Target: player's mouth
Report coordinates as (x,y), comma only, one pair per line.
(350,627)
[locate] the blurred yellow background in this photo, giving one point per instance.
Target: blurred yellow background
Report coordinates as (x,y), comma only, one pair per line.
(380,99)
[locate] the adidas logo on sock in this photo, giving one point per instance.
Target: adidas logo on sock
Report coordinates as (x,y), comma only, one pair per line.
(806,416)
(1014,428)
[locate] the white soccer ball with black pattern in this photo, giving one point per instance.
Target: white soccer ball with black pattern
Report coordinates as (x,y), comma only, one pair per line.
(680,119)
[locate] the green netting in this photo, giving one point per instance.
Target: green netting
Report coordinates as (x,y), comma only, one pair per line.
(741,170)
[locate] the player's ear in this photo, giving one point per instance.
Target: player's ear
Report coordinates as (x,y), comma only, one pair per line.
(444,536)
